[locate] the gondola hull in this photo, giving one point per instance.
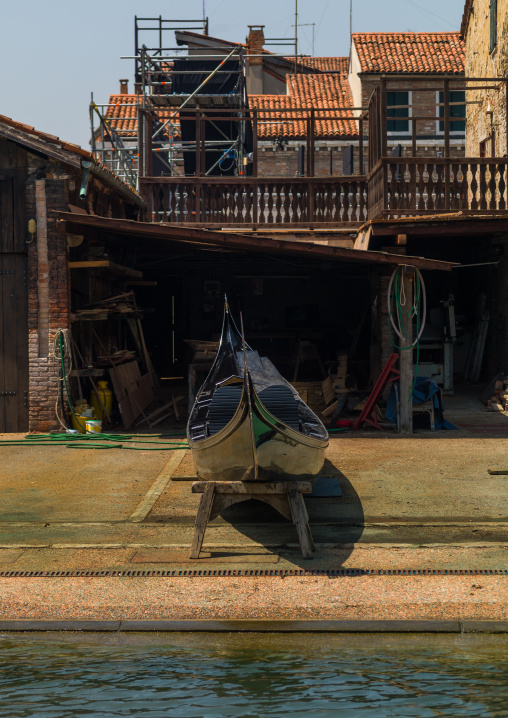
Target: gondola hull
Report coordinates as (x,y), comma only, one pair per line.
(280,453)
(249,424)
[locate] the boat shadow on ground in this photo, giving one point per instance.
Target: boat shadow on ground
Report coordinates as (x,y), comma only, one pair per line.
(336,523)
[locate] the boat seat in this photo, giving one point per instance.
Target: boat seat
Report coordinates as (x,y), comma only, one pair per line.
(280,401)
(223,407)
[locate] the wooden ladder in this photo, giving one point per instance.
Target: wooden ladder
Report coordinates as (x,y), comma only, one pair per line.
(388,374)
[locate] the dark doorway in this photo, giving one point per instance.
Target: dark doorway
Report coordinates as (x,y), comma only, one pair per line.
(13,343)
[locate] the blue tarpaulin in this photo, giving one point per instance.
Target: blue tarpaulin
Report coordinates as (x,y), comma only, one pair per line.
(425,390)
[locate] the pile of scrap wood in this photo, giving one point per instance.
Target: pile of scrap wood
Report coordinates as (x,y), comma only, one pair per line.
(311,393)
(499,399)
(119,304)
(334,387)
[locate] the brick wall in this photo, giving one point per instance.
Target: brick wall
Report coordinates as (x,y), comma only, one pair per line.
(274,162)
(489,117)
(48,288)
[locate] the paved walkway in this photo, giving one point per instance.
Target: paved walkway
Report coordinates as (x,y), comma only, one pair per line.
(425,503)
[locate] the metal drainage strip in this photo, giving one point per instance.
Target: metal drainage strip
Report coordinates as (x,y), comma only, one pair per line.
(183,573)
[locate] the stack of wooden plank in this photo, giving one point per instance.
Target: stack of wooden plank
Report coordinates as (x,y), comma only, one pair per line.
(341,372)
(499,399)
(312,394)
(119,304)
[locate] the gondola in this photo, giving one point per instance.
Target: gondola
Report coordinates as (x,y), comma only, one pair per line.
(248,423)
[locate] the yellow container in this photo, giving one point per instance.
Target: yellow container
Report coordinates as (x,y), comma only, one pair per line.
(106,397)
(93,426)
(79,423)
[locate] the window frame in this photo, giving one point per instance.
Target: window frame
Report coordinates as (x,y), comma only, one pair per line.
(453,133)
(398,133)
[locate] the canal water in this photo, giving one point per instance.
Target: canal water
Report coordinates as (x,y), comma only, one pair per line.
(55,675)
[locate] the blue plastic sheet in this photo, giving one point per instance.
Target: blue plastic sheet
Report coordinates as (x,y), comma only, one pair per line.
(425,390)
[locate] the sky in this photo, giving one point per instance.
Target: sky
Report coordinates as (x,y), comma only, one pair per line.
(55,53)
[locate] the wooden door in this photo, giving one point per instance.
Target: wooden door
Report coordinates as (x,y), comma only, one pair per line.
(13,343)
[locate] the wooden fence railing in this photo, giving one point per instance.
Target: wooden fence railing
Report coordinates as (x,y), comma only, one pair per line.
(292,202)
(414,186)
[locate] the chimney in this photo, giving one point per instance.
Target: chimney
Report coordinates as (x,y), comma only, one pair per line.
(255,43)
(124,87)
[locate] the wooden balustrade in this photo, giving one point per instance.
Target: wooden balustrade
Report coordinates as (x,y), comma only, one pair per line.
(417,186)
(292,202)
(396,187)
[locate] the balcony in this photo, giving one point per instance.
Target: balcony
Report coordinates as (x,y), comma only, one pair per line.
(395,186)
(296,202)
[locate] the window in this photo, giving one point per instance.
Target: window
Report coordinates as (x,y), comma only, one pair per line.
(398,107)
(493,25)
(457,126)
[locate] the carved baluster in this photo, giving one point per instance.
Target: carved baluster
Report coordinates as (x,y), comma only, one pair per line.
(328,201)
(339,191)
(239,203)
(354,202)
(483,186)
(345,202)
(454,185)
(247,203)
(269,203)
(431,187)
(474,185)
(440,187)
(278,189)
(463,195)
(420,187)
(501,168)
(287,200)
(492,187)
(262,204)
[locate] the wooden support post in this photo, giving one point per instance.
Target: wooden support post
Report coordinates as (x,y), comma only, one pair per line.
(406,355)
(446,113)
(205,508)
(312,142)
(446,94)
(254,143)
(199,169)
(308,148)
(360,148)
(285,496)
(383,118)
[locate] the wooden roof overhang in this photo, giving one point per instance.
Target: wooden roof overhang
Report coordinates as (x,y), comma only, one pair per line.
(164,234)
(439,225)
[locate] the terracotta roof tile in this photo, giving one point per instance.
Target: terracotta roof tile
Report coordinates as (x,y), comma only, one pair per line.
(410,52)
(123,116)
(312,92)
(325,64)
(52,139)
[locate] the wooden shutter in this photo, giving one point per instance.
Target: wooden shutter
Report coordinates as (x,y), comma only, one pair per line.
(493,25)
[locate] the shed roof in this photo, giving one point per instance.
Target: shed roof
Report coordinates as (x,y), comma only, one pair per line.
(202,238)
(65,152)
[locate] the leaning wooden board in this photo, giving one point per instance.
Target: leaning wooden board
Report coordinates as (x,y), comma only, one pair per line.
(137,401)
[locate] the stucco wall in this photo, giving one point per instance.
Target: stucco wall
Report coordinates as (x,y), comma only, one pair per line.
(490,114)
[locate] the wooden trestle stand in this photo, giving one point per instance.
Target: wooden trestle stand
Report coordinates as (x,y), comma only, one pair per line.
(285,496)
